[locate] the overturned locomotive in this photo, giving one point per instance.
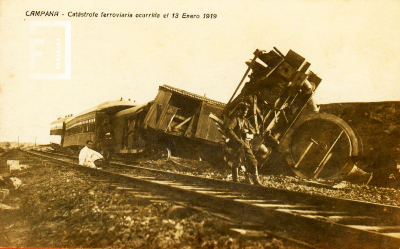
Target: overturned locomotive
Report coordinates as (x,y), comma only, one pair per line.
(282,110)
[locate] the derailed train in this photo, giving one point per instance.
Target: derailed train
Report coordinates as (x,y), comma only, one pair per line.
(176,122)
(280,93)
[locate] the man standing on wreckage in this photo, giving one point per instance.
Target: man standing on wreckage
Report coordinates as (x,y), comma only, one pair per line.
(244,145)
(239,131)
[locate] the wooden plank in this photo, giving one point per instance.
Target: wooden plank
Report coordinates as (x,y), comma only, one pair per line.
(202,125)
(180,117)
(294,59)
(166,117)
(159,110)
(305,67)
(181,124)
(207,128)
(271,58)
(312,77)
(191,131)
(156,110)
(212,130)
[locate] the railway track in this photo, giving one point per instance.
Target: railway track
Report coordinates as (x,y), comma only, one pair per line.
(309,220)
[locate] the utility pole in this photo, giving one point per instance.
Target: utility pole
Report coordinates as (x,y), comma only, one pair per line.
(35,141)
(18,141)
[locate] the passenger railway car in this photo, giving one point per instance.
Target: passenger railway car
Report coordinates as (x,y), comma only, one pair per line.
(57,129)
(77,130)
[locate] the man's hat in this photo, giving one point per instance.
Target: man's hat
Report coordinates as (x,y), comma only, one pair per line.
(239,107)
(243,106)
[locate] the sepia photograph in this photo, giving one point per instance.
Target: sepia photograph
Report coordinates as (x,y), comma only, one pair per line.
(200,124)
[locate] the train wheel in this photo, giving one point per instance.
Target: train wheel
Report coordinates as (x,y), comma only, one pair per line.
(162,153)
(320,145)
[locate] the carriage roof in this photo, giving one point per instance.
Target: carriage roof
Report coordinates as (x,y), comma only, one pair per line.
(61,120)
(132,110)
(191,95)
(109,107)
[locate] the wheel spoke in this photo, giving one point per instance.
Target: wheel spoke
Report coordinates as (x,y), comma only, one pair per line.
(318,170)
(326,157)
(304,154)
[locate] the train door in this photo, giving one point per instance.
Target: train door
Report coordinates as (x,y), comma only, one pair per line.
(99,119)
(206,127)
(63,134)
(166,118)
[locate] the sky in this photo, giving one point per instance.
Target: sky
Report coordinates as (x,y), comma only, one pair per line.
(352,45)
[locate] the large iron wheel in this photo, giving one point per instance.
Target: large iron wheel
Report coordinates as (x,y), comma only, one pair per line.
(319,146)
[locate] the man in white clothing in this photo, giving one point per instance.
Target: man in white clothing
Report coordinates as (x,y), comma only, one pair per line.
(90,158)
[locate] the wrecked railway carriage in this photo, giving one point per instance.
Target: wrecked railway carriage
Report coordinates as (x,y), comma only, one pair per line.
(280,93)
(175,122)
